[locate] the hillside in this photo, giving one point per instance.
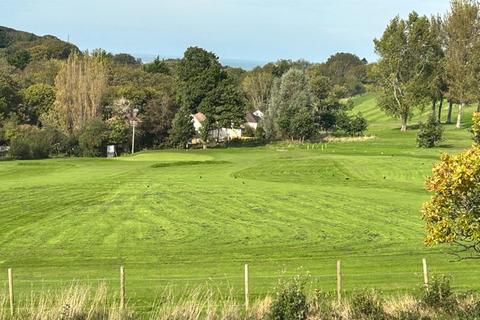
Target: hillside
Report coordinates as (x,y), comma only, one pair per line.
(40,47)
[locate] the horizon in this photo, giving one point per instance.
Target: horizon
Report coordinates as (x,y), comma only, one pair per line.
(235,30)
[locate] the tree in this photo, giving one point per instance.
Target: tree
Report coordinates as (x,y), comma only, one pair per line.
(269,121)
(125,58)
(437,85)
(80,86)
(406,52)
(93,138)
(224,106)
(182,129)
(429,133)
(9,95)
(157,66)
(19,58)
(199,72)
(476,127)
(157,120)
(347,70)
(452,215)
(257,85)
(37,99)
(462,35)
(296,114)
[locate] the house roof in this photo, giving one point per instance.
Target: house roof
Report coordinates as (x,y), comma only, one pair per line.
(199,116)
(250,117)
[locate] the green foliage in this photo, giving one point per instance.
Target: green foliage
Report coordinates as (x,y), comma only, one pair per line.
(224,106)
(118,131)
(353,126)
(290,301)
(9,95)
(476,127)
(368,305)
(430,133)
(39,48)
(125,58)
(93,139)
(37,99)
(439,293)
(19,59)
(29,142)
(157,66)
(182,129)
(407,53)
(199,73)
(292,105)
(157,120)
(348,71)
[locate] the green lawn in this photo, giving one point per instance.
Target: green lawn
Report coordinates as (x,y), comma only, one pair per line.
(175,222)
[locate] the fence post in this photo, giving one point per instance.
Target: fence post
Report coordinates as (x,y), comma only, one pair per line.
(246,288)
(425,273)
(122,287)
(10,290)
(339,281)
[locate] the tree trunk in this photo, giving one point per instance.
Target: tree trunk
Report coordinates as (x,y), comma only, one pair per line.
(450,108)
(404,124)
(460,112)
(440,110)
(434,108)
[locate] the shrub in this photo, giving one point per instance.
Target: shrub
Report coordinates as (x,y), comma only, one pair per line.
(476,127)
(439,293)
(430,133)
(29,142)
(290,302)
(353,126)
(94,138)
(367,305)
(248,131)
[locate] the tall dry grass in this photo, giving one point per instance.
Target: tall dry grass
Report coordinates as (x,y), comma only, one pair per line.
(83,302)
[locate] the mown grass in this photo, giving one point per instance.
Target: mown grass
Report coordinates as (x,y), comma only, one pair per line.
(280,208)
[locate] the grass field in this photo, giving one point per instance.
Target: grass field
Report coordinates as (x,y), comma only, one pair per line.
(189,217)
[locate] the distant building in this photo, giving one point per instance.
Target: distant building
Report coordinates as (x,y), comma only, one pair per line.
(253,118)
(225,134)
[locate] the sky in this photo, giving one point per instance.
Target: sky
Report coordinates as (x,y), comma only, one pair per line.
(254,30)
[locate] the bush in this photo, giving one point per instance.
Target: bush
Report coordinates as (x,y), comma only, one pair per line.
(93,140)
(476,127)
(29,142)
(290,302)
(439,293)
(367,305)
(430,133)
(353,126)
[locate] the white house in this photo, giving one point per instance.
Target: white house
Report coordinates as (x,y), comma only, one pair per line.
(253,118)
(222,134)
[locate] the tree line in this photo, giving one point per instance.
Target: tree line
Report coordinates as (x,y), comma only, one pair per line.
(76,104)
(429,59)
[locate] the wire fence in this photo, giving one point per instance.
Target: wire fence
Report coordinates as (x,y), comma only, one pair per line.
(124,281)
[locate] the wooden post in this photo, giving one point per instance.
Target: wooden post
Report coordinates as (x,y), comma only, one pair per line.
(339,281)
(10,290)
(425,273)
(246,287)
(122,287)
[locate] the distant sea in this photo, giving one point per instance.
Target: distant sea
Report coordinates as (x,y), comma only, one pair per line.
(240,63)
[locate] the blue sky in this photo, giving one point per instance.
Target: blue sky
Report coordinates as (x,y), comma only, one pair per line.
(259,30)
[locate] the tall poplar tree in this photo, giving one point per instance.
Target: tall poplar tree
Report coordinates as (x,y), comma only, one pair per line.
(80,86)
(461,30)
